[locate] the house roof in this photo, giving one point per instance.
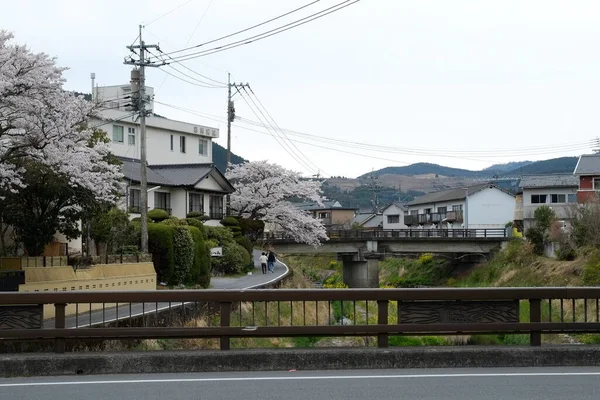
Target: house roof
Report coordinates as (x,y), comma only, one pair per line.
(327,205)
(174,175)
(588,164)
(363,218)
(395,203)
(451,194)
(549,181)
(374,222)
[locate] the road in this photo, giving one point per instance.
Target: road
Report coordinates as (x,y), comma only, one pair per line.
(442,384)
(257,278)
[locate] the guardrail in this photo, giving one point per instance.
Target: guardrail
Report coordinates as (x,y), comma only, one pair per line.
(399,234)
(315,312)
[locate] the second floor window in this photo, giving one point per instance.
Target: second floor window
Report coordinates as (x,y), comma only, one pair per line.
(538,198)
(134,200)
(131,136)
(393,219)
(162,201)
(457,208)
(117,134)
(414,212)
(196,202)
(182,144)
(203,147)
(442,210)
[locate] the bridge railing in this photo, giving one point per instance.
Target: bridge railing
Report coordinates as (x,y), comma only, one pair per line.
(230,315)
(398,234)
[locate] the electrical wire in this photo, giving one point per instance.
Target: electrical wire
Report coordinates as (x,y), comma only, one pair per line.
(167,13)
(195,81)
(113,120)
(264,35)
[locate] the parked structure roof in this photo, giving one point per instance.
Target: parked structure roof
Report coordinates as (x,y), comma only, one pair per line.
(588,164)
(549,181)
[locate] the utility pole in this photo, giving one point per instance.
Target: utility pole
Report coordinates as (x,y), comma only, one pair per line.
(230,119)
(138,90)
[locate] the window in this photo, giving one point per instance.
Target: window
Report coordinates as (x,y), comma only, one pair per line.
(457,208)
(442,210)
(572,198)
(171,142)
(414,212)
(131,136)
(596,183)
(427,211)
(162,201)
(196,202)
(117,134)
(538,198)
(182,144)
(393,219)
(323,215)
(203,147)
(134,201)
(558,198)
(216,207)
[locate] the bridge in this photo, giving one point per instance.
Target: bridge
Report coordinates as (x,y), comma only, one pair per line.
(360,251)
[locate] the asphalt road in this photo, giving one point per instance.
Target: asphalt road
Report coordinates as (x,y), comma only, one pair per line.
(448,384)
(125,311)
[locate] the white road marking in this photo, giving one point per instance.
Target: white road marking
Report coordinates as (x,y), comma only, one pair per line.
(302,378)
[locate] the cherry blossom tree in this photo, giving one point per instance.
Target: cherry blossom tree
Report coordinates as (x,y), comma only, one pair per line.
(40,121)
(263,192)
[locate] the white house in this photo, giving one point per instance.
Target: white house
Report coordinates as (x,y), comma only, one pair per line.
(557,191)
(393,216)
(181,176)
(483,206)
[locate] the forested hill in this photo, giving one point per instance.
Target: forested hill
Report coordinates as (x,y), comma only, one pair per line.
(220,157)
(552,166)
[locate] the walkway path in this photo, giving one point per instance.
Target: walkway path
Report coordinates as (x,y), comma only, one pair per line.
(126,311)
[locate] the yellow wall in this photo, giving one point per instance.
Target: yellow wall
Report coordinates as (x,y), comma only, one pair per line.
(108,277)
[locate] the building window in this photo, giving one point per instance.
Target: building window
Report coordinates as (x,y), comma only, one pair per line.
(117,134)
(171,142)
(131,136)
(393,219)
(427,211)
(162,201)
(538,198)
(182,144)
(203,147)
(457,208)
(196,202)
(216,207)
(414,212)
(558,198)
(572,198)
(442,210)
(134,201)
(596,183)
(323,215)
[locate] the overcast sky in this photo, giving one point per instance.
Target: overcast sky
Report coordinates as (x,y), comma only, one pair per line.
(463,83)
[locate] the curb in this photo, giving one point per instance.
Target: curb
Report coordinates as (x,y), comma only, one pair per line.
(299,359)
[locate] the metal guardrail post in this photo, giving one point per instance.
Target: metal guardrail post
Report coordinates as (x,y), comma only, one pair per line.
(225,321)
(535,315)
(382,319)
(59,323)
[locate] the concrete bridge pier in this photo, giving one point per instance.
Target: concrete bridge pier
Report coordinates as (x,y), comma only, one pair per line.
(360,273)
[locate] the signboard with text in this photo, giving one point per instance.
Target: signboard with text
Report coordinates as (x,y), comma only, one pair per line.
(216,252)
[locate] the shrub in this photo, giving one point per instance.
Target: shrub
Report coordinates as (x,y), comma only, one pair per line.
(245,243)
(195,214)
(536,237)
(204,218)
(160,245)
(220,234)
(230,221)
(426,258)
(158,215)
(251,228)
(194,222)
(139,220)
(173,221)
(234,260)
(184,255)
(200,272)
(591,271)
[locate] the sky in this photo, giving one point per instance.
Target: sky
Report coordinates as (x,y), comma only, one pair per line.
(462,83)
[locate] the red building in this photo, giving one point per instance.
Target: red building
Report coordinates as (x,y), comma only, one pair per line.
(588,172)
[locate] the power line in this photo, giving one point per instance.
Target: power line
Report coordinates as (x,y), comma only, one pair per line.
(167,13)
(199,82)
(246,29)
(282,132)
(264,35)
(112,120)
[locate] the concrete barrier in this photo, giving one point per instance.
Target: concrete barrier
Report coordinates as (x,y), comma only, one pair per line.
(299,359)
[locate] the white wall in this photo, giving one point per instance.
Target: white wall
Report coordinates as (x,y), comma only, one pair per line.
(490,208)
(178,202)
(562,210)
(393,209)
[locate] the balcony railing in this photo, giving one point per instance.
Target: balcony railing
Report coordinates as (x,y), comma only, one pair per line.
(410,220)
(454,216)
(433,218)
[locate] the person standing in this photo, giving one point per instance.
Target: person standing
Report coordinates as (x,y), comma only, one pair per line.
(263,262)
(271,261)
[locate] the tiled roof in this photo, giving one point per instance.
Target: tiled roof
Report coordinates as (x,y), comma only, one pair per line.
(588,164)
(131,170)
(448,195)
(374,222)
(327,205)
(547,181)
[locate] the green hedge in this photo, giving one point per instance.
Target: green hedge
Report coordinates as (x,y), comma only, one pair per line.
(158,215)
(245,243)
(160,245)
(184,255)
(200,272)
(195,214)
(235,260)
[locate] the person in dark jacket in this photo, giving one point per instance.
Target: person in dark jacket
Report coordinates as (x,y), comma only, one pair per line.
(271,261)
